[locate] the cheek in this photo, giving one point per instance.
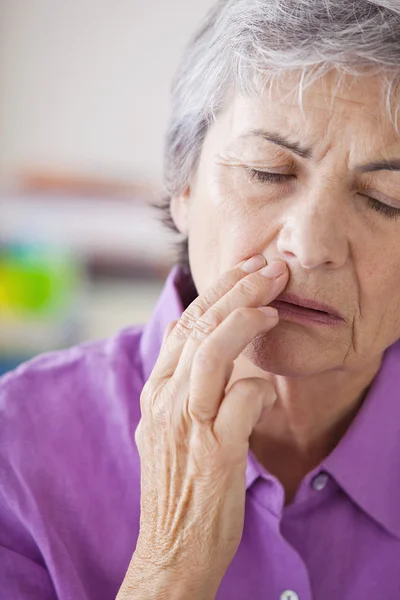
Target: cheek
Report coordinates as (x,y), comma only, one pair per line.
(387,296)
(248,227)
(379,300)
(205,239)
(227,225)
(245,236)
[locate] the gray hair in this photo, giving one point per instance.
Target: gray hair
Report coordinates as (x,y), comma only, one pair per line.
(244,45)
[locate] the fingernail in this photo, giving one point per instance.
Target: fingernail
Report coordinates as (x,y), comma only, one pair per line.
(269,311)
(254,264)
(274,269)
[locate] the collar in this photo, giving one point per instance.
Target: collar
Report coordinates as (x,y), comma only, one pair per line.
(366,462)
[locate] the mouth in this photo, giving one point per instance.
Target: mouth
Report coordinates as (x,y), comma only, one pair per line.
(293,308)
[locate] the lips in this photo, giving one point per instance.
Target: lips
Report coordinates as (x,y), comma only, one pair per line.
(292,306)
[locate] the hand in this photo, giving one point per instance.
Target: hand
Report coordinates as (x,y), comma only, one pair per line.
(193,438)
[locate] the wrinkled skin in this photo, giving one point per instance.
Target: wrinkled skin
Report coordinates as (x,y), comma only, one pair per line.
(339,250)
(193,439)
(230,377)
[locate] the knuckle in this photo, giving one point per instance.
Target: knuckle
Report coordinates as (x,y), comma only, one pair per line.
(159,412)
(218,289)
(224,283)
(148,397)
(200,416)
(206,324)
(201,330)
(205,447)
(243,314)
(163,410)
(188,319)
(248,286)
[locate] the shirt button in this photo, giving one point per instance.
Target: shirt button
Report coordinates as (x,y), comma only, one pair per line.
(289,595)
(320,481)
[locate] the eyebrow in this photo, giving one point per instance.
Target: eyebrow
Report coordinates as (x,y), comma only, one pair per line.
(280,140)
(382,165)
(304,152)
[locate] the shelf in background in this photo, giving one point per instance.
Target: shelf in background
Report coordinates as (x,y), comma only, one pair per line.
(117,243)
(105,307)
(108,229)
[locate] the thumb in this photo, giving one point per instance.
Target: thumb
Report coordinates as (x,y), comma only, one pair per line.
(246,403)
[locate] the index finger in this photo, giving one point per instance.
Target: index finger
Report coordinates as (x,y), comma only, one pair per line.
(170,354)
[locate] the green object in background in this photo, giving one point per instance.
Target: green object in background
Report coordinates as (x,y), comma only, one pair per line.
(35,280)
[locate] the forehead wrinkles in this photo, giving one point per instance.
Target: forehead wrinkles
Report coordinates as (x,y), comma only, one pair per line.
(287,117)
(321,119)
(323,127)
(332,94)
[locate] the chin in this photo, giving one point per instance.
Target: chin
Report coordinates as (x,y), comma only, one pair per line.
(293,352)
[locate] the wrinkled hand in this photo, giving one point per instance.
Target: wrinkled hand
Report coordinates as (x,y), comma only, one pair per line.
(193,437)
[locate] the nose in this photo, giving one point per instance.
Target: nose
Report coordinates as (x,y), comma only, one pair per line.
(314,233)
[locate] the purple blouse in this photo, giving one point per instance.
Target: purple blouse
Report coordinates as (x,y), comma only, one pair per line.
(70,484)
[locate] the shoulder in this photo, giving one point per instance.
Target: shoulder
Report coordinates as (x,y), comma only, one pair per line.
(69,466)
(71,395)
(88,367)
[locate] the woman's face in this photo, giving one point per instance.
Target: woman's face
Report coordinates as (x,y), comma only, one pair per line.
(328,211)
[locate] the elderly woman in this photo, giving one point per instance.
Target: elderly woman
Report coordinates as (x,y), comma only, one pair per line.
(245,444)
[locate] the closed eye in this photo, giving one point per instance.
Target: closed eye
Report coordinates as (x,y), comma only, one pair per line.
(389,211)
(266,176)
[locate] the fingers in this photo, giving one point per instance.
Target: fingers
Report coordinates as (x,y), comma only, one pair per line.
(206,360)
(169,358)
(167,331)
(256,290)
(213,363)
(241,410)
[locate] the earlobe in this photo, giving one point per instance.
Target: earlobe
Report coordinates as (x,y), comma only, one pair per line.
(180,211)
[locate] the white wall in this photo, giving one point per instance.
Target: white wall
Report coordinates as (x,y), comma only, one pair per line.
(84,84)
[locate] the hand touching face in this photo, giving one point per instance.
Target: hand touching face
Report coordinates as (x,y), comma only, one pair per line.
(307,190)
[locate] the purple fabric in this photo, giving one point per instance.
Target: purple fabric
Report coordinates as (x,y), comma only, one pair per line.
(70,493)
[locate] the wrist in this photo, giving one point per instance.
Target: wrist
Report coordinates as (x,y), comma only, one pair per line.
(148,582)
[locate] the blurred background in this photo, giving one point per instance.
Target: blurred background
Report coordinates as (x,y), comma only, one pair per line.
(84,103)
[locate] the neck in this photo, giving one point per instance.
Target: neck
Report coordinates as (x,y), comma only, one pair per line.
(307,421)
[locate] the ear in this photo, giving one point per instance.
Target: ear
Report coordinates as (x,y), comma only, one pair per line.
(180,211)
